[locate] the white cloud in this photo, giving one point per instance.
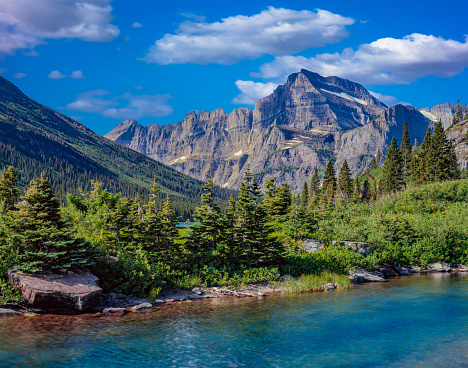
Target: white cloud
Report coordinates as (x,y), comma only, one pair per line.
(137,25)
(27,23)
(127,106)
(273,31)
(195,17)
(55,74)
(19,75)
(388,100)
(252,92)
(77,74)
(385,61)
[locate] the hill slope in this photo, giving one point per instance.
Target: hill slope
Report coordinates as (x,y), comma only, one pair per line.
(35,138)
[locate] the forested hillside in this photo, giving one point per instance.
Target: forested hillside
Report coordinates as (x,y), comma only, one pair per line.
(35,139)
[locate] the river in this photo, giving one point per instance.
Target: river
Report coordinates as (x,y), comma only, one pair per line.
(416,321)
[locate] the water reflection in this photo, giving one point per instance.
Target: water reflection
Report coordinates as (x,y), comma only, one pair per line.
(416,321)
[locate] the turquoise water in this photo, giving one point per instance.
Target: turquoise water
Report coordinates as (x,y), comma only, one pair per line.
(408,322)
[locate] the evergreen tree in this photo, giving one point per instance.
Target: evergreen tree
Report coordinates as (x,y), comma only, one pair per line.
(392,171)
(203,237)
(152,227)
(8,188)
(168,221)
(314,184)
(373,164)
(419,161)
(43,242)
(406,152)
(356,190)
(345,183)
(366,191)
(329,179)
(440,157)
(305,196)
(378,157)
(277,200)
(257,247)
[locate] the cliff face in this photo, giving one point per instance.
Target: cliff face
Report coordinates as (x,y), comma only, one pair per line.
(457,134)
(301,125)
(444,112)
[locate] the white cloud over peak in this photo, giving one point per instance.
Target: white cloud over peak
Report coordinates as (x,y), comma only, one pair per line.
(27,23)
(127,106)
(251,92)
(388,100)
(273,31)
(384,61)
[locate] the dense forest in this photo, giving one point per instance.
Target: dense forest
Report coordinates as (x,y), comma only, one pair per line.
(410,209)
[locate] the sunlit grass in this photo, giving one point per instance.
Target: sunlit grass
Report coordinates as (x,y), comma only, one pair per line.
(315,282)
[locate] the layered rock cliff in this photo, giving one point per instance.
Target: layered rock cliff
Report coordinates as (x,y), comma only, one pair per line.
(301,125)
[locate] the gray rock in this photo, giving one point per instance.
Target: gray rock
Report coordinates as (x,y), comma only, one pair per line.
(357,247)
(8,312)
(311,245)
(68,292)
(169,300)
(260,293)
(142,308)
(330,286)
(195,296)
(359,275)
(462,268)
(417,269)
(385,271)
(402,271)
(439,267)
(197,290)
(158,301)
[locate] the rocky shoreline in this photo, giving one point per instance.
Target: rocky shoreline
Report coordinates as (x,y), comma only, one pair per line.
(117,305)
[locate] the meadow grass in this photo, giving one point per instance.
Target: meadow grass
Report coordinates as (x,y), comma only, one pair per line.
(315,282)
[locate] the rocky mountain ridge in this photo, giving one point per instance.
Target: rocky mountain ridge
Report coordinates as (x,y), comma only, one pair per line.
(301,125)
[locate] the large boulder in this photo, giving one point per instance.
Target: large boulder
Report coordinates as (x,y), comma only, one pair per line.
(70,292)
(311,245)
(357,247)
(359,275)
(439,267)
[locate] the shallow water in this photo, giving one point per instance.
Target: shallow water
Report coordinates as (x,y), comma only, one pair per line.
(417,321)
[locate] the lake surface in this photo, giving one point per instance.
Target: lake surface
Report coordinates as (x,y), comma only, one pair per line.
(417,321)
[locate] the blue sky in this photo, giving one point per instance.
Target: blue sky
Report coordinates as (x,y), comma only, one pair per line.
(103,61)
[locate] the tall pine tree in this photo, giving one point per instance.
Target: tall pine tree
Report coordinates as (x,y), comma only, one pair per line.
(392,171)
(345,183)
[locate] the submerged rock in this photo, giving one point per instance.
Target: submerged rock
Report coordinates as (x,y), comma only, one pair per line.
(359,275)
(142,308)
(60,293)
(8,312)
(114,312)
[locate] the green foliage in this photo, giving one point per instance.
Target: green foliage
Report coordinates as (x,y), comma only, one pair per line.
(345,183)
